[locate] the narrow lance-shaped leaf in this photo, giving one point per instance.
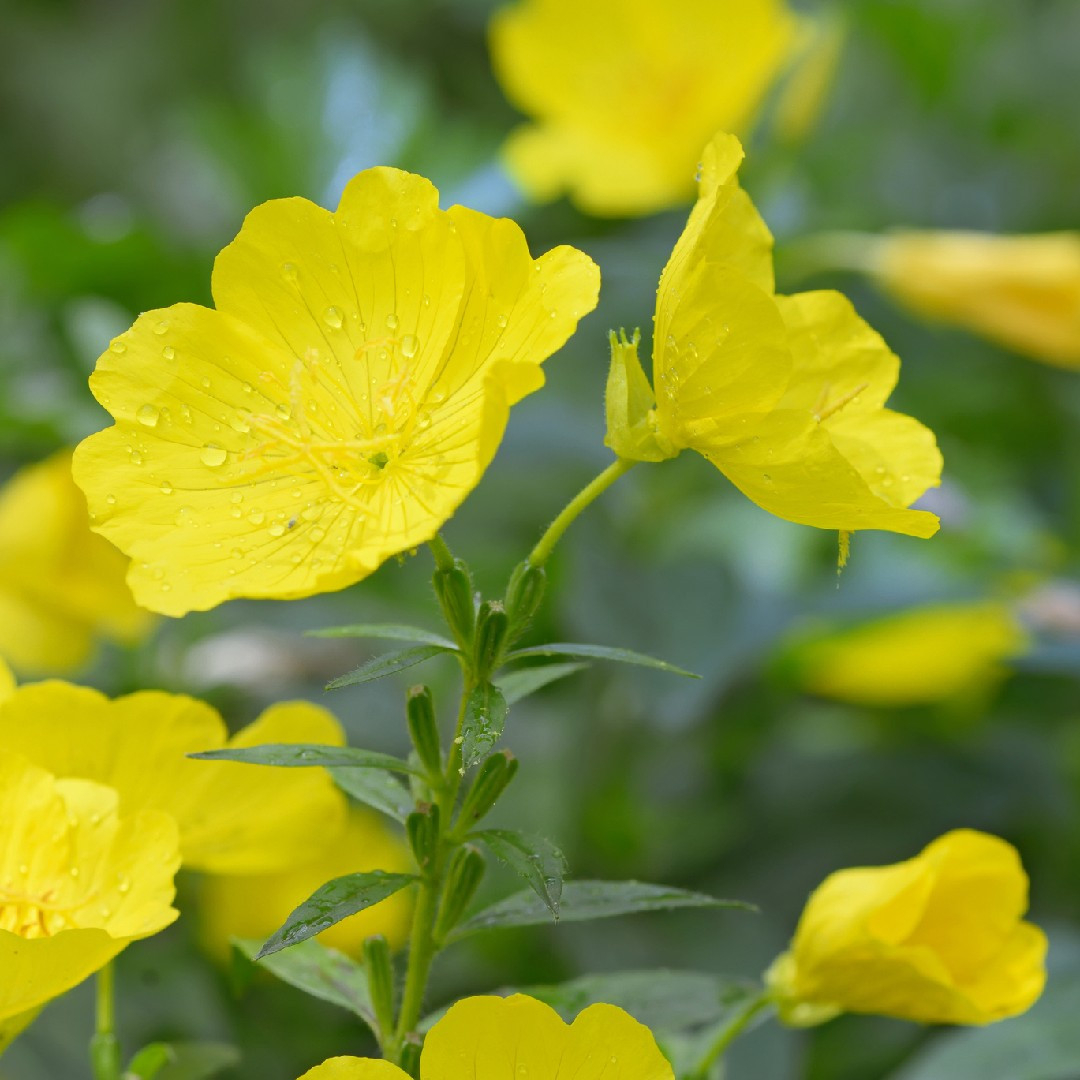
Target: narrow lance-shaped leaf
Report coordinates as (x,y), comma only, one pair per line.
(535,859)
(584,900)
(516,685)
(332,902)
(385,632)
(485,717)
(306,756)
(387,664)
(181,1061)
(320,971)
(376,788)
(598,652)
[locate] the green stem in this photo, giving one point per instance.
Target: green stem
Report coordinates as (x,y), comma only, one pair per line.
(104,1046)
(729,1033)
(444,558)
(422,947)
(588,494)
(830,251)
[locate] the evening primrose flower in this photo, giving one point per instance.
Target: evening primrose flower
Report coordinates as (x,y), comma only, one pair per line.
(255,905)
(491,1038)
(1020,291)
(340,402)
(232,817)
(785,395)
(940,652)
(79,880)
(937,939)
(61,587)
(624,93)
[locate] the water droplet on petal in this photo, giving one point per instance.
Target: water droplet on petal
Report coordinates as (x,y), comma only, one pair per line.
(117,347)
(213,455)
(148,415)
(409,345)
(333,318)
(136,457)
(391,321)
(283,411)
(240,424)
(501,321)
(277,529)
(168,352)
(256,517)
(110,499)
(289,271)
(166,488)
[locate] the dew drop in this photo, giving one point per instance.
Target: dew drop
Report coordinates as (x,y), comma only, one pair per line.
(117,347)
(501,322)
(204,382)
(110,499)
(74,871)
(246,387)
(24,869)
(318,534)
(123,884)
(166,488)
(333,318)
(283,411)
(236,512)
(161,326)
(239,423)
(426,301)
(277,529)
(409,345)
(256,517)
(136,457)
(168,352)
(391,321)
(289,271)
(213,455)
(148,415)
(236,497)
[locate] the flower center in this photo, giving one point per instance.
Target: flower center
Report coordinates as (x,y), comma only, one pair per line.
(31,916)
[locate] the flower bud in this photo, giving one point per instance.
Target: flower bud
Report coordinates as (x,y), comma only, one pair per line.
(380,977)
(524,594)
(462,879)
(454,590)
(410,1055)
(422,828)
(491,781)
(492,628)
(424,729)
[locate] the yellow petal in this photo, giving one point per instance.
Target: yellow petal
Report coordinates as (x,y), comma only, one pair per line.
(11,1028)
(1021,291)
(7,680)
(354,1068)
(720,358)
(331,412)
(624,94)
(232,817)
(255,905)
(490,1038)
(61,587)
(921,655)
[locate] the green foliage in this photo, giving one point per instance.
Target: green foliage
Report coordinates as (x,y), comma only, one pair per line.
(388,664)
(386,632)
(485,717)
(306,756)
(598,652)
(533,858)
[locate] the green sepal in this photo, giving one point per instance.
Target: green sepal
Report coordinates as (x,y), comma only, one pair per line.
(424,729)
(490,782)
(630,405)
(380,981)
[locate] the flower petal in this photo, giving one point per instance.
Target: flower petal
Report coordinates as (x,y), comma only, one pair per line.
(354,1068)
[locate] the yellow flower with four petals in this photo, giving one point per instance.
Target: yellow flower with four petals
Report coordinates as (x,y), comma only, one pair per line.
(340,402)
(785,395)
(491,1038)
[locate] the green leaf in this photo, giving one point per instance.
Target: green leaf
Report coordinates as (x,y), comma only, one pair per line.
(535,859)
(1043,1044)
(332,902)
(598,652)
(386,632)
(583,900)
(308,755)
(485,717)
(181,1061)
(516,685)
(376,788)
(320,971)
(387,664)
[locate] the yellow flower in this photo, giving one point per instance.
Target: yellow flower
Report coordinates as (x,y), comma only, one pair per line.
(937,939)
(7,680)
(344,397)
(232,817)
(806,89)
(492,1038)
(255,905)
(785,395)
(1020,291)
(923,655)
(78,881)
(60,585)
(625,92)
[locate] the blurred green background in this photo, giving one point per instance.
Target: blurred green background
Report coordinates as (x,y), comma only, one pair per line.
(134,136)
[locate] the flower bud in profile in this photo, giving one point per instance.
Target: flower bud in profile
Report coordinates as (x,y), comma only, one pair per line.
(454,591)
(492,627)
(938,939)
(524,594)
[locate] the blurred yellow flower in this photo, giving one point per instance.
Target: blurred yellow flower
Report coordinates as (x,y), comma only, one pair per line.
(937,939)
(492,1038)
(1020,291)
(913,657)
(624,93)
(232,817)
(785,395)
(78,882)
(60,585)
(7,680)
(806,90)
(255,905)
(344,397)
